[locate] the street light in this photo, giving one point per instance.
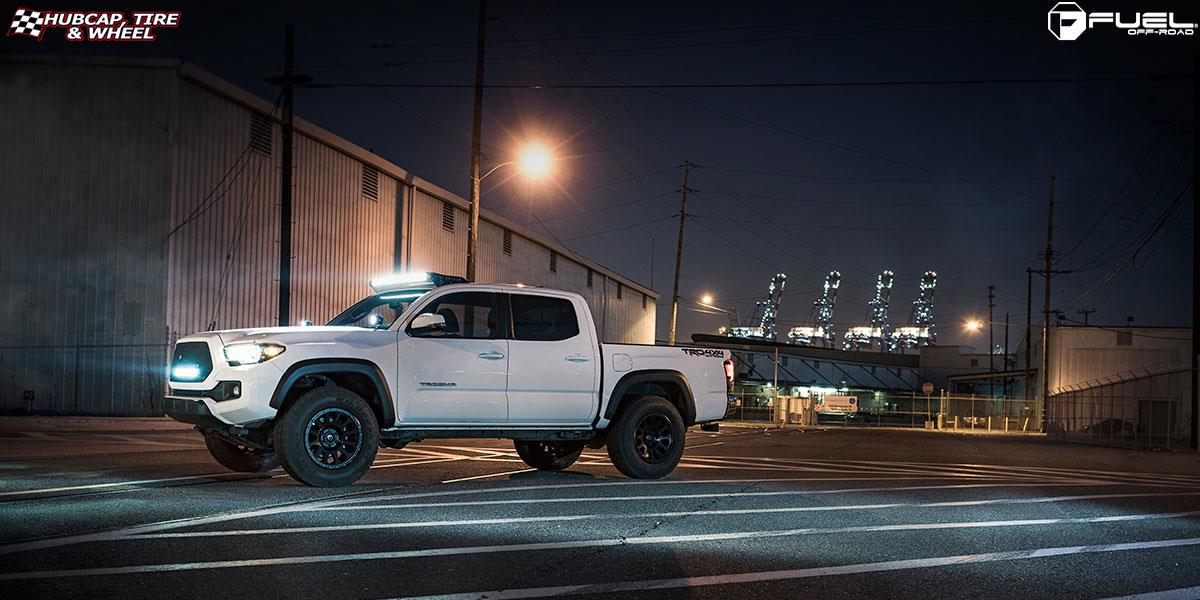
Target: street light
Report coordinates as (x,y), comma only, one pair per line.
(706,300)
(973,325)
(535,161)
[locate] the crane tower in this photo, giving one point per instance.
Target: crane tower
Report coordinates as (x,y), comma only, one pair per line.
(823,309)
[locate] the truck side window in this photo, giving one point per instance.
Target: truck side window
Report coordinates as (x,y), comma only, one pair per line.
(542,318)
(469,315)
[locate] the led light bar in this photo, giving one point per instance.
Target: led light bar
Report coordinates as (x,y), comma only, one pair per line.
(413,279)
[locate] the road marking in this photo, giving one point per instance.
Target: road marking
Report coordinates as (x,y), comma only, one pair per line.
(356,497)
(112,484)
(1190,593)
(1168,476)
(703,445)
(577,500)
(634,541)
(488,476)
(653,515)
(854,569)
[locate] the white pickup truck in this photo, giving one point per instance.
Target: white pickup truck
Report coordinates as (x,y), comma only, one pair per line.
(429,356)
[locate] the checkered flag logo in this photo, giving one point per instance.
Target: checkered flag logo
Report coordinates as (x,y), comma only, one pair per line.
(27,22)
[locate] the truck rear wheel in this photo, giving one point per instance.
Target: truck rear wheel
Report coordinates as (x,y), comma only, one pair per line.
(549,456)
(646,442)
(327,438)
(241,459)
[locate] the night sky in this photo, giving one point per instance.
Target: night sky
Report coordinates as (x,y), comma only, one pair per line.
(798,180)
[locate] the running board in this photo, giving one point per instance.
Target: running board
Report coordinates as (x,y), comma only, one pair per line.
(404,435)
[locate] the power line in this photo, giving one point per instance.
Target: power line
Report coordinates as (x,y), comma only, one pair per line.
(745,85)
(964,23)
(1113,202)
(622,228)
(661,33)
(892,228)
(378,89)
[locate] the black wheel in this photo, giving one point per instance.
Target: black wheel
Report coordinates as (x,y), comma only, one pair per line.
(242,459)
(549,456)
(646,442)
(327,438)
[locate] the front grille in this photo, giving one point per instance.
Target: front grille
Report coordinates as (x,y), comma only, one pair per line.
(187,355)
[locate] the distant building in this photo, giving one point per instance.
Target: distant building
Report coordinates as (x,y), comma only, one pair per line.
(141,204)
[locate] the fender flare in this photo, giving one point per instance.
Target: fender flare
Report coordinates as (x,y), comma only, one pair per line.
(653,376)
(319,366)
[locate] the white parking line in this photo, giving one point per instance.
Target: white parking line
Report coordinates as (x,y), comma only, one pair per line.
(579,500)
(112,484)
(876,567)
(652,515)
(532,547)
(488,476)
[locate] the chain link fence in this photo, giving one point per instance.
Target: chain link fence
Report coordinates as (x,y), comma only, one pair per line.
(761,404)
(1138,410)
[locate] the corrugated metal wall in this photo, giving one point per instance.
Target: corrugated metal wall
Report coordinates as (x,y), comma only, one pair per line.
(1081,355)
(156,217)
(223,235)
(81,261)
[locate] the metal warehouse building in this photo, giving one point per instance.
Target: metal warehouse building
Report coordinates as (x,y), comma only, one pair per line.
(140,203)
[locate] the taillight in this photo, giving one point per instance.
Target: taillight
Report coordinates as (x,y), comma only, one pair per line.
(729,373)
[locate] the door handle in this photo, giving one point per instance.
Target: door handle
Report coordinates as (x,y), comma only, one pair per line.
(493,355)
(578,358)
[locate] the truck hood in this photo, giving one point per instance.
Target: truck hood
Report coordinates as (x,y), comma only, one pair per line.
(282,335)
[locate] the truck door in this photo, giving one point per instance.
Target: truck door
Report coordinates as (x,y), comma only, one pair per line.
(458,375)
(553,368)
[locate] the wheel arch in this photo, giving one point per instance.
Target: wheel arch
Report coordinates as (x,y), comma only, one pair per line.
(669,384)
(362,377)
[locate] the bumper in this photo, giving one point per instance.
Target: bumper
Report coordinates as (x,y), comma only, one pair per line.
(214,399)
(193,411)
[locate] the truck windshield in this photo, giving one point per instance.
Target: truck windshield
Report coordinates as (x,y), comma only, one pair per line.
(378,311)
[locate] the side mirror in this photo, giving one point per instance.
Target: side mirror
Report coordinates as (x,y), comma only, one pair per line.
(427,323)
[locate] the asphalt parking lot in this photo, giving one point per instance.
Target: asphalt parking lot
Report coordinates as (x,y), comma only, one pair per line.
(111,508)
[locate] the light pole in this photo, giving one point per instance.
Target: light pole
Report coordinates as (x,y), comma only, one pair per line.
(535,161)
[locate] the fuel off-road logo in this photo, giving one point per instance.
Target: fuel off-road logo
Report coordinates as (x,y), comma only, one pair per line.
(1067,21)
(91,26)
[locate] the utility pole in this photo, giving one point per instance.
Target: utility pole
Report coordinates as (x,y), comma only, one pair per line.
(1028,321)
(1195,252)
(687,169)
(1085,312)
(1005,367)
(287,83)
(1046,305)
(991,339)
(476,135)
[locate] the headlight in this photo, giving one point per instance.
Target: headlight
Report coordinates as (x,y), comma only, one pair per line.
(252,353)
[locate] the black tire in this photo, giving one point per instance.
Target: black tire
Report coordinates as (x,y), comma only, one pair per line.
(549,456)
(241,459)
(327,438)
(646,441)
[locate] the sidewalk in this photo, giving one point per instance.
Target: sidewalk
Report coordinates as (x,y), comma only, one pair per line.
(91,425)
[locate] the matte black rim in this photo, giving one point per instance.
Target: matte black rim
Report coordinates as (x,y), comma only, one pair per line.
(654,438)
(333,438)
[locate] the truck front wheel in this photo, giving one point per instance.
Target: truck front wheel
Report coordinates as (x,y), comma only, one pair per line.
(327,438)
(646,442)
(549,456)
(241,459)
